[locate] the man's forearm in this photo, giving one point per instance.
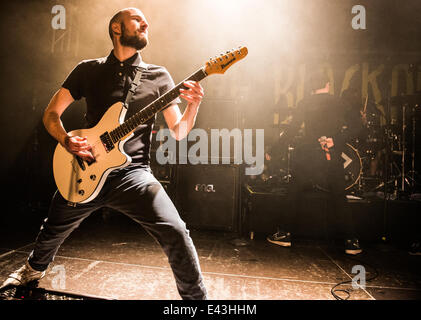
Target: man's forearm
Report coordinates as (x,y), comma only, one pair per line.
(186,123)
(51,118)
(54,126)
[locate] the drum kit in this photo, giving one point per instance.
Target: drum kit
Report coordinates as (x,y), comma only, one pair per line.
(384,160)
(388,149)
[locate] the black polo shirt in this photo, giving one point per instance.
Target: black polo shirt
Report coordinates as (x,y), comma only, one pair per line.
(105,81)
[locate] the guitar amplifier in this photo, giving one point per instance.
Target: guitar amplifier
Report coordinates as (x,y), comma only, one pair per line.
(207,196)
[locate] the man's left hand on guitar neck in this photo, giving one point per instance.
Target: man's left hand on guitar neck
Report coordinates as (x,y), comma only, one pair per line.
(193,95)
(181,124)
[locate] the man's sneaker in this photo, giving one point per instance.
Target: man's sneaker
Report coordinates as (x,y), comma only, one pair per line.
(280,238)
(415,249)
(352,246)
(23,275)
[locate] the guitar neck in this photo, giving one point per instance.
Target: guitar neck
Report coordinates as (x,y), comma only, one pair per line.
(128,126)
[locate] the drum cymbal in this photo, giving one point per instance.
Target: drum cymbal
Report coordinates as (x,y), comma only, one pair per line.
(412,99)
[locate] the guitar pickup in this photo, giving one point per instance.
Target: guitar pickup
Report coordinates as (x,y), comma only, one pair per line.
(107,142)
(81,163)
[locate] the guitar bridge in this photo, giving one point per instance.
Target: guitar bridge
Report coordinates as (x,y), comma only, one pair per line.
(107,142)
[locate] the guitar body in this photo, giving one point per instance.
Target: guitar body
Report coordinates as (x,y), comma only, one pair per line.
(79,181)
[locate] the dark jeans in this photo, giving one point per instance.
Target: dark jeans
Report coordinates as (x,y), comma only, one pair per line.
(311,170)
(136,193)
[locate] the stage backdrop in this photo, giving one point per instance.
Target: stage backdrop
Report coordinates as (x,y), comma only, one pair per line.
(370,48)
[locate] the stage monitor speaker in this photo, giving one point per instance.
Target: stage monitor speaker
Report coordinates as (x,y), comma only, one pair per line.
(207,196)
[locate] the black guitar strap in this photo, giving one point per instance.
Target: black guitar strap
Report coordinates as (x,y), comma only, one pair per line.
(135,83)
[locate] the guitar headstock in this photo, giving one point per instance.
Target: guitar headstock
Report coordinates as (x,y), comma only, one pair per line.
(221,63)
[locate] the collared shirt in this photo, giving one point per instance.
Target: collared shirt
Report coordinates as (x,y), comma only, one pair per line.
(105,81)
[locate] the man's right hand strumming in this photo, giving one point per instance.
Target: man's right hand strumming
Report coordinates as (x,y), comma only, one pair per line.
(79,146)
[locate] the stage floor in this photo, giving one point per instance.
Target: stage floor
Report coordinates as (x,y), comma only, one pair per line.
(117,259)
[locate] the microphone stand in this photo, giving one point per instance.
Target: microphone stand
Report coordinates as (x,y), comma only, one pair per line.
(386,168)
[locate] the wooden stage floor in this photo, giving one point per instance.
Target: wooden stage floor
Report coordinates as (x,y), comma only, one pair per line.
(117,259)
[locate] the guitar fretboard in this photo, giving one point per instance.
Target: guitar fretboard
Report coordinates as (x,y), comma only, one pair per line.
(149,111)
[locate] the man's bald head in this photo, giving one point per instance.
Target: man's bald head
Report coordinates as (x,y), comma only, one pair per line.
(118,18)
(129,28)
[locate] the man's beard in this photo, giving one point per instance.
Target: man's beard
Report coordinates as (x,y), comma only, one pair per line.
(135,41)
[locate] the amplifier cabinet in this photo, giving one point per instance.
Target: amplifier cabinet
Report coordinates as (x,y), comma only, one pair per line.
(207,196)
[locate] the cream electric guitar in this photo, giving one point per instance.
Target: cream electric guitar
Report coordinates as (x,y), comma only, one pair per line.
(80,181)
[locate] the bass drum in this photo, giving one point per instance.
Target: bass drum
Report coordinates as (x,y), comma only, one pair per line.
(352,166)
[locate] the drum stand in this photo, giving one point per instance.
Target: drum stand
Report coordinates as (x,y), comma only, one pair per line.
(404,182)
(413,172)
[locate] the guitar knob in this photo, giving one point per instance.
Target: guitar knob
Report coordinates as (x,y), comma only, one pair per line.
(93,177)
(79,181)
(81,192)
